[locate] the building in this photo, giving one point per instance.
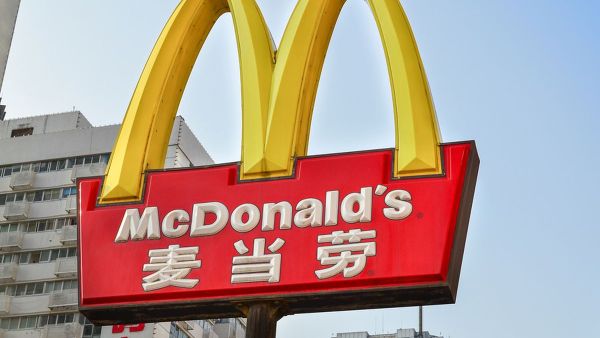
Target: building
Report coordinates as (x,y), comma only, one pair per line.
(40,159)
(220,328)
(8,17)
(400,333)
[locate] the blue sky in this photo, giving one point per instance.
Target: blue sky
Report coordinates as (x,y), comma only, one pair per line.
(519,77)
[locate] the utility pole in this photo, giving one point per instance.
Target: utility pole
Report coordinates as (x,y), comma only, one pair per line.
(420,322)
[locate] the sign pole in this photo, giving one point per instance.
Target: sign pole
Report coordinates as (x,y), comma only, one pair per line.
(262,320)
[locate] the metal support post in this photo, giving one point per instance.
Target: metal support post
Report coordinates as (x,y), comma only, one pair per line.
(262,320)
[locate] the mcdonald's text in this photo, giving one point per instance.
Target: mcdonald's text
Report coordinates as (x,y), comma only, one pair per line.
(355,207)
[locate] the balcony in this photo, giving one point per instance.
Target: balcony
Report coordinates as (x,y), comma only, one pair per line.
(11,241)
(69,330)
(185,325)
(66,267)
(16,211)
(4,305)
(96,169)
(8,272)
(22,181)
(71,205)
(65,300)
(68,235)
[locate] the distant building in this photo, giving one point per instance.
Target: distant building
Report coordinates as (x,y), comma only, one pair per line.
(220,328)
(40,159)
(400,333)
(8,17)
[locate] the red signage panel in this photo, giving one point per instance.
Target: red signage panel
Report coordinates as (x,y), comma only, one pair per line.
(340,234)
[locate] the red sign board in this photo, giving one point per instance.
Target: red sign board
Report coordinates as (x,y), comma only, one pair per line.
(340,234)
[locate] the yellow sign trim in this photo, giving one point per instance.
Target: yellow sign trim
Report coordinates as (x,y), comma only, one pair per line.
(278,90)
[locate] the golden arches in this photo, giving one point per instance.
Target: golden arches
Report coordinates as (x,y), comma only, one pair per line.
(278,90)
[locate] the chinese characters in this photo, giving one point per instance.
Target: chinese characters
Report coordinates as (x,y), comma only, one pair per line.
(259,267)
(346,255)
(348,259)
(170,267)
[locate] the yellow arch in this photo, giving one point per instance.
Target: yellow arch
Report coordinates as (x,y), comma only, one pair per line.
(278,90)
(297,73)
(144,135)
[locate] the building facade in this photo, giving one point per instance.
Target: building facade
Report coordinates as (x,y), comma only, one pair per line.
(220,328)
(8,18)
(400,333)
(40,159)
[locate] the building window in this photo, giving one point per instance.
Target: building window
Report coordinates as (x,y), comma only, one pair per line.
(207,327)
(8,258)
(31,322)
(177,332)
(41,225)
(21,132)
(38,196)
(69,192)
(90,330)
(44,256)
(54,165)
(13,227)
(57,319)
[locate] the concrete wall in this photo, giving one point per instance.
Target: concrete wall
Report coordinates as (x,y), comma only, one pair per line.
(70,134)
(400,333)
(189,150)
(46,124)
(36,272)
(45,180)
(37,333)
(231,329)
(42,240)
(8,17)
(39,210)
(353,335)
(55,146)
(26,305)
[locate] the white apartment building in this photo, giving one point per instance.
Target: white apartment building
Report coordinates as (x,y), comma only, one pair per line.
(40,159)
(8,18)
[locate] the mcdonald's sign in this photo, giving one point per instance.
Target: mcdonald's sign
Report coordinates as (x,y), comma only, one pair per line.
(368,229)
